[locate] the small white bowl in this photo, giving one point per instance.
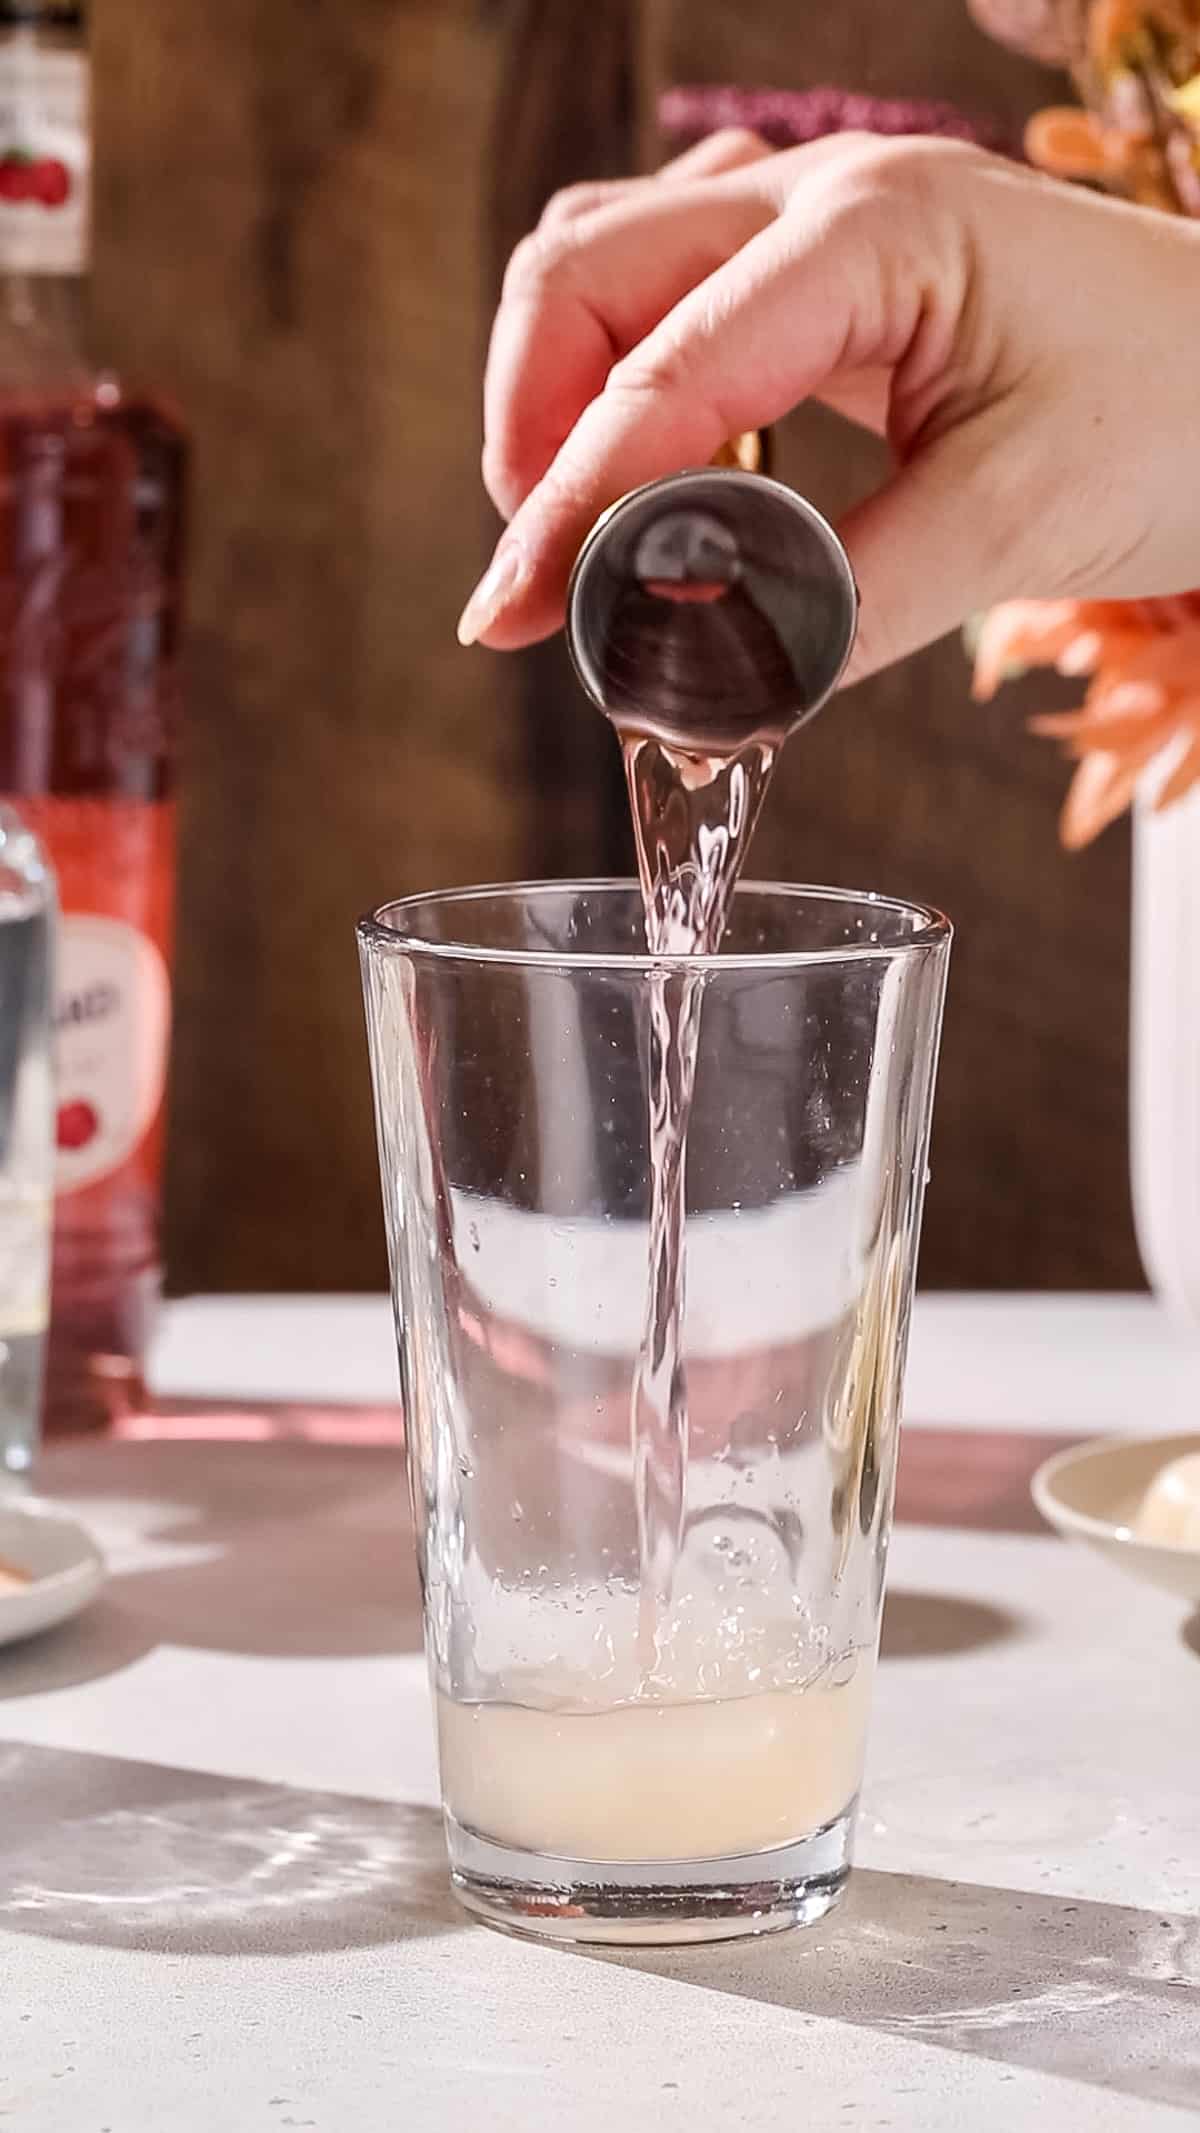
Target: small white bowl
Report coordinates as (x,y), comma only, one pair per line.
(1093,1492)
(64,1567)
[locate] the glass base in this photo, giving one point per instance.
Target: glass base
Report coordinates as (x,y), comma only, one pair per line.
(649,1904)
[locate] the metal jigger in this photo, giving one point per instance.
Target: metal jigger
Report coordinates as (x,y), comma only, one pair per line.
(711,609)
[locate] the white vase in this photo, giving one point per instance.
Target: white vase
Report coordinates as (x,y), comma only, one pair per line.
(1165,1048)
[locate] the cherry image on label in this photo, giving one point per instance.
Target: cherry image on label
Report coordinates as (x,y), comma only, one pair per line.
(44,179)
(77,1124)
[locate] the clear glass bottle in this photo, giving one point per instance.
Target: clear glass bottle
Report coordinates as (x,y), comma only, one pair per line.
(91,540)
(27,909)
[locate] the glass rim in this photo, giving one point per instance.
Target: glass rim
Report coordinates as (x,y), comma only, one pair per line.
(933,930)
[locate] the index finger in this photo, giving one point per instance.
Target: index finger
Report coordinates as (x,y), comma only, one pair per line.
(580,294)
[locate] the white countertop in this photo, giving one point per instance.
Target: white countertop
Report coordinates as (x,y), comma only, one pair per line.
(1084,1363)
(222,1894)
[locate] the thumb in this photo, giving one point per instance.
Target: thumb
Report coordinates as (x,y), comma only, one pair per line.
(939,540)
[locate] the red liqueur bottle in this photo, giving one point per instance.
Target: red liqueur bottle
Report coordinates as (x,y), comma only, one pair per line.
(91,503)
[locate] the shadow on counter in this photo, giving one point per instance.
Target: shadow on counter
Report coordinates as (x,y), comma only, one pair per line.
(1100,1993)
(120,1854)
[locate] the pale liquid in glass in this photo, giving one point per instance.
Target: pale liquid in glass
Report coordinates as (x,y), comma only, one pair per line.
(655,1780)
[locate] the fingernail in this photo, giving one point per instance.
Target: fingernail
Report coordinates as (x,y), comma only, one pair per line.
(493,593)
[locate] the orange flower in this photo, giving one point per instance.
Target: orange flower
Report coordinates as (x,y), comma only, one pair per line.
(1120,30)
(1143,699)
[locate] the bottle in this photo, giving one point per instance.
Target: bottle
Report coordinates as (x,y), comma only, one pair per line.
(26,1137)
(91,532)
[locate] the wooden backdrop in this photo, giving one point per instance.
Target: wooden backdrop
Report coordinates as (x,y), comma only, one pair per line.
(301,217)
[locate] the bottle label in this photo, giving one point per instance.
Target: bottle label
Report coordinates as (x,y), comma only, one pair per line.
(44,159)
(111,1025)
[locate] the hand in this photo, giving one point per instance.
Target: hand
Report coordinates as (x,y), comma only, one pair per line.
(1028,348)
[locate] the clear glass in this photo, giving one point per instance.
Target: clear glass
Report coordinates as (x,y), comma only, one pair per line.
(588,1794)
(27,907)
